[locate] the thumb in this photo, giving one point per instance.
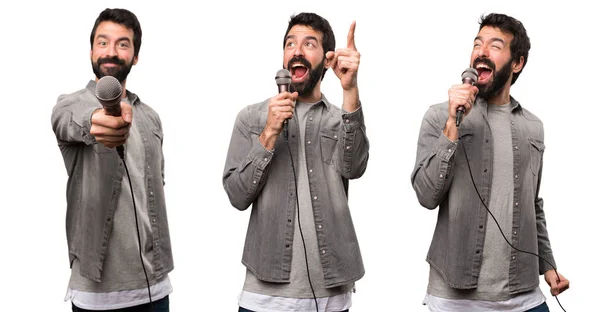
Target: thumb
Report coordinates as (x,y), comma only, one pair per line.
(126,112)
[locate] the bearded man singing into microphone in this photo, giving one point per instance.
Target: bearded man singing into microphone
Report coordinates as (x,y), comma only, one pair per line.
(301,248)
(472,268)
(109,270)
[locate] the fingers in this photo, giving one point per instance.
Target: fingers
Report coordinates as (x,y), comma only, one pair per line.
(461,95)
(351,45)
(281,107)
(109,130)
(557,282)
(126,112)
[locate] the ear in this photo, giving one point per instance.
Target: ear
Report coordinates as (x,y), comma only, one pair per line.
(135,60)
(327,61)
(91,53)
(518,66)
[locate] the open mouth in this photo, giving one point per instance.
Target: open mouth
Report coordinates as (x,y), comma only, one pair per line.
(299,72)
(484,71)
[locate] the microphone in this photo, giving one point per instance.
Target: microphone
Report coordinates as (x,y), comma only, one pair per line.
(469,76)
(283,79)
(108,93)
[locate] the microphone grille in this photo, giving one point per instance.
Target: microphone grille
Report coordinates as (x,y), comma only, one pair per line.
(109,90)
(283,77)
(470,73)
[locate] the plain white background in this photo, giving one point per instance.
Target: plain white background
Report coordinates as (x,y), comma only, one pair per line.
(201,62)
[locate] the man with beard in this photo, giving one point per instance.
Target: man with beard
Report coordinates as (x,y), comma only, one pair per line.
(499,142)
(301,249)
(116,264)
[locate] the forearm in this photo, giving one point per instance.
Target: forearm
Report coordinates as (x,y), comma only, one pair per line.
(351,100)
(71,122)
(353,149)
(246,167)
(432,174)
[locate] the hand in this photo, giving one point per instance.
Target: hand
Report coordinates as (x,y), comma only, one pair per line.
(552,279)
(461,95)
(281,107)
(344,62)
(109,130)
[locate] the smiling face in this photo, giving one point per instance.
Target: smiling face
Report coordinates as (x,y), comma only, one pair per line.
(494,62)
(112,51)
(304,57)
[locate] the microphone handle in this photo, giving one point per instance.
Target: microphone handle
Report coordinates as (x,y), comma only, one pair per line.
(116,112)
(461,109)
(284,88)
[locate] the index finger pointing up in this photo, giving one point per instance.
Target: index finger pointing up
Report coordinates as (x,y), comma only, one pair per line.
(351,44)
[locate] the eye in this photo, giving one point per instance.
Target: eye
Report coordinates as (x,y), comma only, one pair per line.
(123,44)
(310,45)
(496,47)
(290,44)
(102,43)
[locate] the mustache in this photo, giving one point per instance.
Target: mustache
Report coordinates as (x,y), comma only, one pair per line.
(301,60)
(111,60)
(485,61)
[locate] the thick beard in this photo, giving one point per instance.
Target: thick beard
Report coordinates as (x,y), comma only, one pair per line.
(499,80)
(120,72)
(306,88)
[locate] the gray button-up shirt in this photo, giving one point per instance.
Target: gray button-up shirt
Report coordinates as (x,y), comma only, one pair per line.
(441,178)
(338,151)
(94,184)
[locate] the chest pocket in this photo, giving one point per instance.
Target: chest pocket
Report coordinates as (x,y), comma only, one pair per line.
(329,141)
(536,150)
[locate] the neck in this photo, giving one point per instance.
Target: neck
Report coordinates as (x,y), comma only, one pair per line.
(503,96)
(312,97)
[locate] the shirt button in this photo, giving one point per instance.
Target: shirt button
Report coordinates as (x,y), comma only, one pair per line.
(323,251)
(486,140)
(289,220)
(515,232)
(449,150)
(347,147)
(310,170)
(315,198)
(477,251)
(308,142)
(335,136)
(320,226)
(310,118)
(512,122)
(481,226)
(347,120)
(441,176)
(484,170)
(156,243)
(154,220)
(148,167)
(254,182)
(151,193)
(514,257)
(145,139)
(516,147)
(517,204)
(516,176)
(266,159)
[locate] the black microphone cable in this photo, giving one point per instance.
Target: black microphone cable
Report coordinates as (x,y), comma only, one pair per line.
(299,224)
(121,155)
(498,224)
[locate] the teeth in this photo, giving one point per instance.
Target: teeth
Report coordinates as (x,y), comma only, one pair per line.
(481,65)
(297,65)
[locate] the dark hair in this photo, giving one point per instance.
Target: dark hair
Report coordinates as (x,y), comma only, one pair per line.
(122,17)
(520,44)
(317,23)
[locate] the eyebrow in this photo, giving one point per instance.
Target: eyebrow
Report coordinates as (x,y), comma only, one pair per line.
(307,38)
(119,39)
(493,39)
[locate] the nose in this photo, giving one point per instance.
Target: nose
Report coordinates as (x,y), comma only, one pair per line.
(298,50)
(484,51)
(111,50)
